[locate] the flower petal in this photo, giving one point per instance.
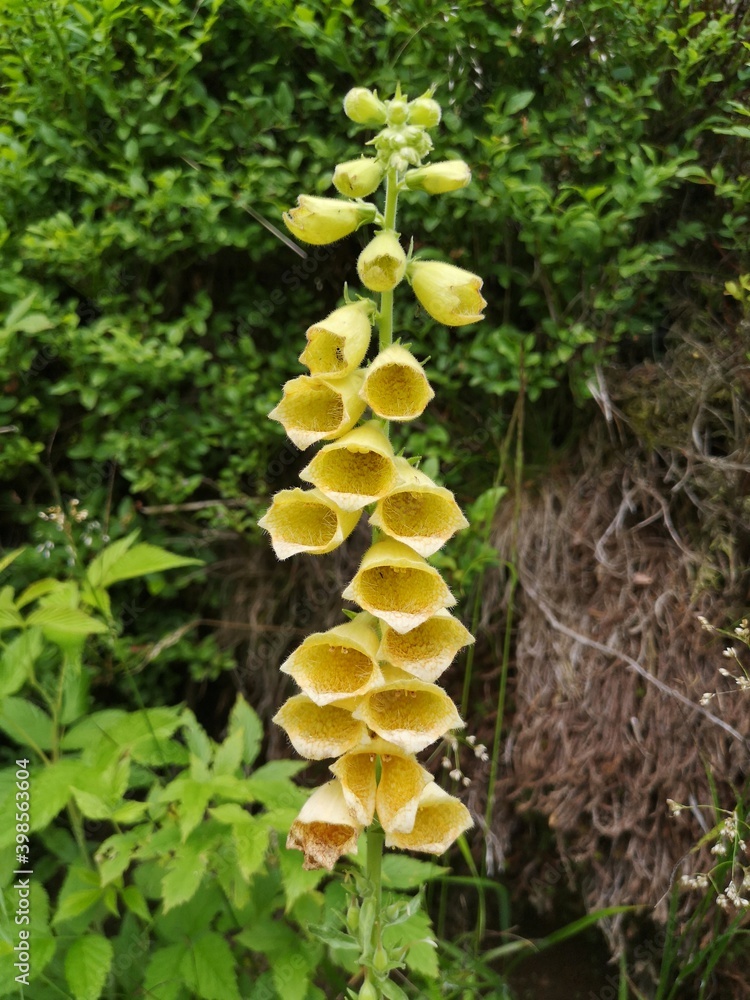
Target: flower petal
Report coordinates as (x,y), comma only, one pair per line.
(409,713)
(396,387)
(355,470)
(324,828)
(337,344)
(306,521)
(317,732)
(427,650)
(440,819)
(315,409)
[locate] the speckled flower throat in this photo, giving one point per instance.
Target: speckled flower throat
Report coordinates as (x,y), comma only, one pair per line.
(368,693)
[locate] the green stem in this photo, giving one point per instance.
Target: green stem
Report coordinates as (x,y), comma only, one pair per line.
(375,841)
(385,323)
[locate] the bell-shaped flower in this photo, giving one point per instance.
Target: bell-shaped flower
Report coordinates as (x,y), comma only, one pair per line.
(364,107)
(427,650)
(315,409)
(407,712)
(441,818)
(448,293)
(324,828)
(325,220)
(358,178)
(395,386)
(417,512)
(399,586)
(319,731)
(336,664)
(382,263)
(395,797)
(439,178)
(337,344)
(306,521)
(354,470)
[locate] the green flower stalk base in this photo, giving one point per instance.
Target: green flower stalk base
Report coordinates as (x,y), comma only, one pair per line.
(368,695)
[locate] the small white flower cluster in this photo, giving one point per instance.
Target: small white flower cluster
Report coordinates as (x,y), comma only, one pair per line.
(455,772)
(740,632)
(728,843)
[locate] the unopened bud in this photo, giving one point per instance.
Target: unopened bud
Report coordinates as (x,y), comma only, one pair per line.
(437,178)
(425,112)
(398,111)
(380,961)
(358,178)
(368,991)
(352,917)
(364,107)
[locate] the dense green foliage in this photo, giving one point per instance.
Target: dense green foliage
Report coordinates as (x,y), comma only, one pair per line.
(148,302)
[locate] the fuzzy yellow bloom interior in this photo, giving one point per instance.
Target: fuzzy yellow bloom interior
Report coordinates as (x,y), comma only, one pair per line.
(439,820)
(317,732)
(427,650)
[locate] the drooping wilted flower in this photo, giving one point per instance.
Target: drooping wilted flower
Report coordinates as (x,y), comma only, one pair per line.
(427,650)
(382,263)
(324,828)
(337,344)
(395,386)
(358,178)
(417,512)
(316,409)
(439,178)
(409,713)
(354,470)
(399,586)
(325,220)
(306,521)
(336,664)
(440,819)
(319,731)
(448,293)
(395,797)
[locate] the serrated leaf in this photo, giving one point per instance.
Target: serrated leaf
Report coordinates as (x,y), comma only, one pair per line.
(228,756)
(402,872)
(61,625)
(294,878)
(251,842)
(75,903)
(26,723)
(422,958)
(140,560)
(184,874)
(113,857)
(51,791)
(194,797)
(291,974)
(17,660)
(163,976)
(135,901)
(92,806)
(245,720)
(87,966)
(208,969)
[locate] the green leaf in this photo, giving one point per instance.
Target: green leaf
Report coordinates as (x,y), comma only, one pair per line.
(87,965)
(228,756)
(295,879)
(518,101)
(100,568)
(135,901)
(60,625)
(163,976)
(11,557)
(76,903)
(251,842)
(51,791)
(184,874)
(17,660)
(208,969)
(26,723)
(245,720)
(291,974)
(422,958)
(392,991)
(113,857)
(130,563)
(40,588)
(402,872)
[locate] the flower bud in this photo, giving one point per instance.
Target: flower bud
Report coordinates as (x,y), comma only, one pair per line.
(364,107)
(325,220)
(368,991)
(395,386)
(448,293)
(425,112)
(358,178)
(380,960)
(438,178)
(352,917)
(397,111)
(382,263)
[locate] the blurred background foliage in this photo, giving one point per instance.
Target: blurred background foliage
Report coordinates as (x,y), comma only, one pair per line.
(150,310)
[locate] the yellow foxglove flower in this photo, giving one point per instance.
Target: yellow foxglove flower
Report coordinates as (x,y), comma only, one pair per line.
(399,586)
(337,344)
(439,178)
(306,521)
(316,409)
(428,649)
(409,713)
(364,107)
(395,386)
(355,470)
(319,731)
(425,112)
(448,293)
(358,178)
(324,828)
(382,263)
(417,512)
(336,664)
(395,797)
(441,818)
(325,220)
